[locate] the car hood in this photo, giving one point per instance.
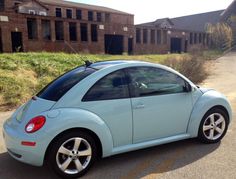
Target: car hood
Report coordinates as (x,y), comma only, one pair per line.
(204,90)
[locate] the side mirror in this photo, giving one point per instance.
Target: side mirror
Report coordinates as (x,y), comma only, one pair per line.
(188,88)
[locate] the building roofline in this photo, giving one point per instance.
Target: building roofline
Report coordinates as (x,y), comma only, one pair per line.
(40,3)
(197,14)
(223,14)
(67,3)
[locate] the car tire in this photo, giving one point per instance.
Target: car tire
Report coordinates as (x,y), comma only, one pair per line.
(73,154)
(213,126)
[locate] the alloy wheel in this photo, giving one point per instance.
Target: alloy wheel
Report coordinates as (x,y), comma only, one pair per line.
(214,126)
(74,155)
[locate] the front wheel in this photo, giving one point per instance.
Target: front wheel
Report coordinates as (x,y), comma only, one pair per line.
(73,154)
(213,126)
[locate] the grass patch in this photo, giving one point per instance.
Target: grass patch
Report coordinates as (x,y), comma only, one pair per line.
(22,75)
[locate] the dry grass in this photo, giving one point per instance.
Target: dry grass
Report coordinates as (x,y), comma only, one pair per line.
(22,75)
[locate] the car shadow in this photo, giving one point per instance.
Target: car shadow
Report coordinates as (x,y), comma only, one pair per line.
(155,160)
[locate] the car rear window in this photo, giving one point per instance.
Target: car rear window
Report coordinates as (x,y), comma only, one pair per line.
(60,86)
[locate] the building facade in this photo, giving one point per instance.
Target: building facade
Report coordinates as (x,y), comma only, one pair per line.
(58,25)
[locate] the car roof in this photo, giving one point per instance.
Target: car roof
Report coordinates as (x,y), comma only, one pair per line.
(104,64)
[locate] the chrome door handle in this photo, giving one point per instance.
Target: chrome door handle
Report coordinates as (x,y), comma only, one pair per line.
(139,106)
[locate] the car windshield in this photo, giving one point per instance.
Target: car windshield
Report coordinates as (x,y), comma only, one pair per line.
(60,86)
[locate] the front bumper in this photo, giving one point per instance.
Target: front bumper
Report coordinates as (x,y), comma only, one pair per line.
(26,154)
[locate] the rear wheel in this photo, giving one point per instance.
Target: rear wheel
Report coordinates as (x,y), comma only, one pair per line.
(213,126)
(73,154)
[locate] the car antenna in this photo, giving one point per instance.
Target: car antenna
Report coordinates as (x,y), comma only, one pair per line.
(88,63)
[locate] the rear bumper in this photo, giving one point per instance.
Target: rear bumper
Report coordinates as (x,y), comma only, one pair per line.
(26,154)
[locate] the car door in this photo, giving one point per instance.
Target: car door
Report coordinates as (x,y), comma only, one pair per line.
(109,99)
(160,102)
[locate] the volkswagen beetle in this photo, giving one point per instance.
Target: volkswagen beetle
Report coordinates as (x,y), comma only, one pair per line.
(106,108)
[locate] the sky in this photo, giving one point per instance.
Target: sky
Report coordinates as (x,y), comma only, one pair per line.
(150,10)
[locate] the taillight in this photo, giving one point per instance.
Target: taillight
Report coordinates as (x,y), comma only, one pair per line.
(35,124)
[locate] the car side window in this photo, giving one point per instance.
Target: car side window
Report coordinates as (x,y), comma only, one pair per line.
(148,81)
(110,87)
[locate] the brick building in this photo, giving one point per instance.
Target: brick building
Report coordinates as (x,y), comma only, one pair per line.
(56,25)
(182,33)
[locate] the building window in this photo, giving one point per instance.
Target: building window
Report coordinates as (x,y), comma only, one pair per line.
(58,12)
(94,33)
(32,28)
(69,13)
(158,36)
(99,16)
(59,30)
(207,39)
(138,36)
(145,36)
(46,30)
(165,37)
(200,38)
(73,31)
(2,4)
(153,36)
(90,15)
(107,17)
(191,38)
(78,14)
(84,32)
(195,38)
(204,39)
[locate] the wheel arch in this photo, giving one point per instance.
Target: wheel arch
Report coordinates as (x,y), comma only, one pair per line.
(78,129)
(208,101)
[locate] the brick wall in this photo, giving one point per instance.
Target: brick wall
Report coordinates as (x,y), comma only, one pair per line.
(119,24)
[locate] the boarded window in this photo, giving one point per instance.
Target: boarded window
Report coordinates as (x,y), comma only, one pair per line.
(99,17)
(78,14)
(164,37)
(94,33)
(195,38)
(69,13)
(153,36)
(84,32)
(200,38)
(158,36)
(90,15)
(204,39)
(207,39)
(73,31)
(58,12)
(138,36)
(191,38)
(145,36)
(59,30)
(107,17)
(1,5)
(32,28)
(46,30)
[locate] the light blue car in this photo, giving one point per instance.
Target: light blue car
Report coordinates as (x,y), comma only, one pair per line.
(106,108)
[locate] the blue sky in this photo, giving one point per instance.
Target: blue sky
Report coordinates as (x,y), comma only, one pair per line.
(149,10)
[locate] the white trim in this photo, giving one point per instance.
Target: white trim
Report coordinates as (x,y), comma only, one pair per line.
(32,12)
(42,13)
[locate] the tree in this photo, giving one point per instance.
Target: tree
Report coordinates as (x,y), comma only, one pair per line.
(221,36)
